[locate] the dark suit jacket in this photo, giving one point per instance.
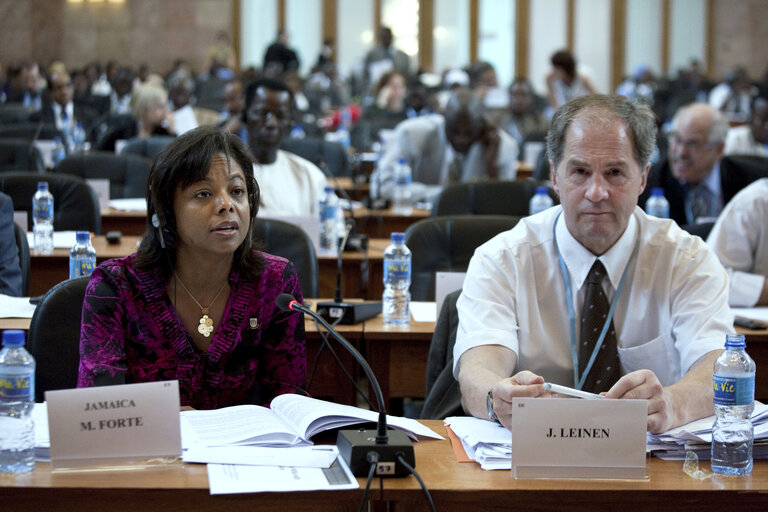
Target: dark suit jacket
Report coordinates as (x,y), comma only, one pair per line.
(84,115)
(736,172)
(10,270)
(443,394)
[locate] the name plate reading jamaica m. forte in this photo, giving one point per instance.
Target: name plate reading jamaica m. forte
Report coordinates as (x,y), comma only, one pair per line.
(574,438)
(104,426)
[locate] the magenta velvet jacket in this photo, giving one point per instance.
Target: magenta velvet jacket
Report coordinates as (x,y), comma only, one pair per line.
(130,332)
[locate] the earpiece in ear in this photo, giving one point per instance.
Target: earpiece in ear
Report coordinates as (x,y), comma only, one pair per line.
(156,224)
(155,220)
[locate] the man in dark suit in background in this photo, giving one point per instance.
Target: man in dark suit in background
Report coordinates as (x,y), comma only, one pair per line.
(60,111)
(10,271)
(690,175)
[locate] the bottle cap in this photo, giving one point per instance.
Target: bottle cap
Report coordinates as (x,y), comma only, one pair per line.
(656,192)
(542,190)
(398,238)
(328,189)
(13,338)
(82,236)
(402,161)
(735,341)
(42,185)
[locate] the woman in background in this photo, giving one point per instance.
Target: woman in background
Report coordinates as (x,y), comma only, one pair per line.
(564,83)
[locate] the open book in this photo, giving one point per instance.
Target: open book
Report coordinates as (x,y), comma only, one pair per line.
(290,420)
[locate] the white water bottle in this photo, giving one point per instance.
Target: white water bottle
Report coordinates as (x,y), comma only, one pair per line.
(82,256)
(17,399)
(329,204)
(657,204)
(396,300)
(401,194)
(540,201)
(42,217)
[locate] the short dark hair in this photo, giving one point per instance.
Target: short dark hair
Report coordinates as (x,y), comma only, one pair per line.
(636,116)
(186,160)
(565,61)
(267,83)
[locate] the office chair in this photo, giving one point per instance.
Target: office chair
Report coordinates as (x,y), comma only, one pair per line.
(291,242)
(447,244)
(508,197)
(75,205)
(127,174)
(738,171)
(148,147)
(29,131)
(20,155)
(24,259)
(331,157)
(443,396)
(701,229)
(54,336)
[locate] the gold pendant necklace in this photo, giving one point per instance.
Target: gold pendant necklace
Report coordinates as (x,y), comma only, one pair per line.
(206,323)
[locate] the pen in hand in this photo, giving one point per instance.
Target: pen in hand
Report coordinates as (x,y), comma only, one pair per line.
(563,390)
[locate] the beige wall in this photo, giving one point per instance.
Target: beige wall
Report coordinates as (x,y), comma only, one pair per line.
(740,36)
(155,32)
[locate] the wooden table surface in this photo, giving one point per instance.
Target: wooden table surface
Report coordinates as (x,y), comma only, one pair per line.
(454,486)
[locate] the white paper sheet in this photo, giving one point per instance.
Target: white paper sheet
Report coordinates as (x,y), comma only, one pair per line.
(231,479)
(321,456)
(129,204)
(61,240)
(755,313)
(423,311)
(15,307)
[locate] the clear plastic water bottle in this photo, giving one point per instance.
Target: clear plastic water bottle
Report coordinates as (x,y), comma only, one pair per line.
(540,201)
(342,132)
(657,204)
(17,399)
(59,152)
(78,138)
(42,217)
(396,300)
(82,256)
(329,205)
(401,194)
(732,433)
(297,132)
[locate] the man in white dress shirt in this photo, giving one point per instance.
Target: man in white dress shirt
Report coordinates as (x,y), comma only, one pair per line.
(668,289)
(740,240)
(289,185)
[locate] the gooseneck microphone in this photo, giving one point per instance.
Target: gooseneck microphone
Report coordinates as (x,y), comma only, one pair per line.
(355,446)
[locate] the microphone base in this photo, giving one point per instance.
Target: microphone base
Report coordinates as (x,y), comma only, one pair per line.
(354,446)
(349,312)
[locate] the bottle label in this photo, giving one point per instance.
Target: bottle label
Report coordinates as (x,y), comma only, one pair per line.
(81,267)
(327,212)
(734,390)
(403,178)
(397,270)
(17,387)
(42,210)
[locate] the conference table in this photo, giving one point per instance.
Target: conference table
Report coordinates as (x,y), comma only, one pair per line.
(454,486)
(361,273)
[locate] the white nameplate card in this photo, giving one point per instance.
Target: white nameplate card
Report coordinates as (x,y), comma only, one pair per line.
(574,438)
(109,425)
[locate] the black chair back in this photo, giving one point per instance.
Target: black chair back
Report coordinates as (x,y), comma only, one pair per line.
(24,259)
(20,155)
(446,244)
(54,336)
(489,198)
(701,229)
(331,157)
(29,131)
(75,205)
(148,147)
(291,242)
(11,113)
(127,174)
(739,171)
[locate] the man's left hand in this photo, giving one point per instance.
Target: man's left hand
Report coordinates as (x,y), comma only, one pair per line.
(643,384)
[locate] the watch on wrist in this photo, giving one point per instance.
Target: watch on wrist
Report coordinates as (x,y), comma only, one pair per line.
(489,406)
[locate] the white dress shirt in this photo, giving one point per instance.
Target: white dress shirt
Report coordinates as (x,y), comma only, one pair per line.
(291,186)
(740,141)
(672,310)
(740,239)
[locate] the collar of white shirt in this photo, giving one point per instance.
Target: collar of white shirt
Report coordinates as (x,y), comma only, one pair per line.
(579,260)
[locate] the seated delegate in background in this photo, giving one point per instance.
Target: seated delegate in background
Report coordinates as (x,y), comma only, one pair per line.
(563,82)
(10,271)
(740,240)
(523,117)
(149,116)
(387,110)
(290,185)
(669,290)
(196,302)
(460,146)
(751,138)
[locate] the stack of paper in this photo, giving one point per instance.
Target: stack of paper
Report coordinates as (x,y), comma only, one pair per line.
(484,441)
(697,436)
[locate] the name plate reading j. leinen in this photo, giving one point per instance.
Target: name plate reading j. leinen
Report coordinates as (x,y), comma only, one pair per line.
(109,425)
(574,438)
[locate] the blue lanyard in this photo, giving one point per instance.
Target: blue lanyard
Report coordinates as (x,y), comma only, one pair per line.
(578,382)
